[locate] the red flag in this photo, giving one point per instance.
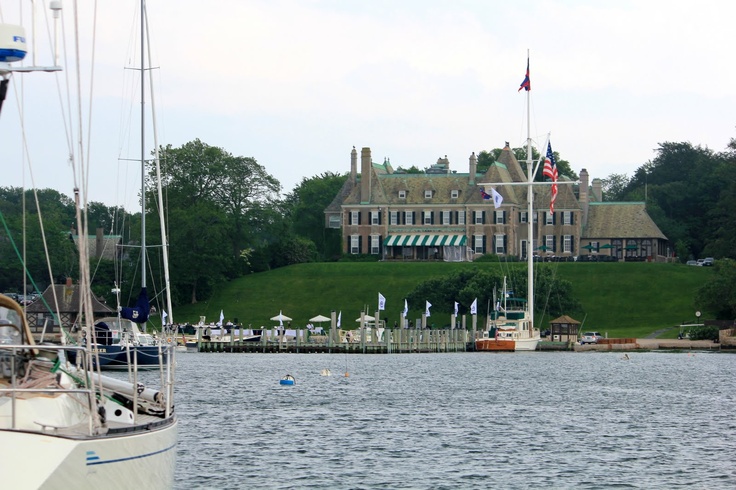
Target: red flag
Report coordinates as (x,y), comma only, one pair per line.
(550,170)
(526,84)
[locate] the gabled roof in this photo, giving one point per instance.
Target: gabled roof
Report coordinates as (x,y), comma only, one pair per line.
(620,220)
(68,297)
(565,319)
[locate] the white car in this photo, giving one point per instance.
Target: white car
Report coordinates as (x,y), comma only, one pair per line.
(590,338)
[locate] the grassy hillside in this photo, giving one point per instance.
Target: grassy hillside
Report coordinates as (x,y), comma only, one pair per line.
(622,299)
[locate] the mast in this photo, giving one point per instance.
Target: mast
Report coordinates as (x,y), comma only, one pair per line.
(143,152)
(530,210)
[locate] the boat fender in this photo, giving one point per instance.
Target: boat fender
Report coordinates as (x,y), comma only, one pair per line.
(168,339)
(103,414)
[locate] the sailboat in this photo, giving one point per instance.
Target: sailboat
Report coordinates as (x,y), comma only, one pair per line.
(63,424)
(513,329)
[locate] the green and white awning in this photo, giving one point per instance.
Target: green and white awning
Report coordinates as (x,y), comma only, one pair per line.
(424,240)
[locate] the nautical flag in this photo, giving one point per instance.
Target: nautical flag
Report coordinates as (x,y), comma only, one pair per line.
(474,307)
(222,317)
(139,313)
(550,170)
(381,302)
(526,84)
(484,194)
(497,198)
(163,317)
(406,309)
(498,306)
(429,305)
(339,317)
(456,308)
(281,319)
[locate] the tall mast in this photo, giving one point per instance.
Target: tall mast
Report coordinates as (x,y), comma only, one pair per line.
(143,151)
(530,210)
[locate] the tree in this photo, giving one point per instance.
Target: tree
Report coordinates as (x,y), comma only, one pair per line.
(718,296)
(613,187)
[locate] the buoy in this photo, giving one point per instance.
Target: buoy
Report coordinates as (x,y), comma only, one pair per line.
(287,380)
(347,375)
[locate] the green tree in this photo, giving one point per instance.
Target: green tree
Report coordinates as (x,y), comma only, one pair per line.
(718,296)
(613,187)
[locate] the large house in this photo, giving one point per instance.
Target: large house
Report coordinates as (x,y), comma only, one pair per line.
(442,214)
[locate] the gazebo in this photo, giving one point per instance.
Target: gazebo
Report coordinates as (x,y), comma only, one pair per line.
(564,329)
(68,297)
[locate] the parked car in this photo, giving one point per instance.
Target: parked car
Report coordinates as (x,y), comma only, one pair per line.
(700,261)
(590,338)
(692,262)
(708,262)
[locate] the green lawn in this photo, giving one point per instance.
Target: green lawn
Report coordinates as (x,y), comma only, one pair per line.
(620,299)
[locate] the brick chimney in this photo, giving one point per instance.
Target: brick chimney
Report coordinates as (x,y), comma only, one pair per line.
(583,195)
(365,175)
(598,190)
(353,165)
(473,168)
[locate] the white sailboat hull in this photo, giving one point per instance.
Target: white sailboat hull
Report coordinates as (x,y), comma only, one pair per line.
(143,460)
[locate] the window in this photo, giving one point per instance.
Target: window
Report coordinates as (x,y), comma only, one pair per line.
(354,244)
(567,217)
(567,244)
(500,217)
(428,194)
(500,241)
(334,222)
(427,217)
(454,194)
(536,218)
(461,217)
(394,217)
(549,242)
(445,218)
(375,217)
(595,245)
(408,218)
(375,244)
(549,218)
(402,194)
(523,217)
(478,244)
(478,220)
(354,217)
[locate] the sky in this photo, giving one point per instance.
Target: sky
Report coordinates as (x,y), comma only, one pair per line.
(297,84)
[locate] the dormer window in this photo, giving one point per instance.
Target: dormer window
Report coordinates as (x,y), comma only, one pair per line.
(454,194)
(402,194)
(428,194)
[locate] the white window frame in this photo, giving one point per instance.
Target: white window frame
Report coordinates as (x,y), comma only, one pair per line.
(500,215)
(567,244)
(402,194)
(445,218)
(427,217)
(394,217)
(461,217)
(549,242)
(536,218)
(408,218)
(549,218)
(375,217)
(375,245)
(334,221)
(354,215)
(354,244)
(454,194)
(523,216)
(428,194)
(498,244)
(478,244)
(478,217)
(567,217)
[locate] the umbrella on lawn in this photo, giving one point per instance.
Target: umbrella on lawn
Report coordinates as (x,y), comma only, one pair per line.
(319,319)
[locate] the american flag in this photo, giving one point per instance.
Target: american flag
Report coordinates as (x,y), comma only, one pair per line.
(550,170)
(526,84)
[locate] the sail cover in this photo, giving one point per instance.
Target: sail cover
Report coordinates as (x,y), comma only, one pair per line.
(138,313)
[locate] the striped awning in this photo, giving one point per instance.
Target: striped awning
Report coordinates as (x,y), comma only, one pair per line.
(424,240)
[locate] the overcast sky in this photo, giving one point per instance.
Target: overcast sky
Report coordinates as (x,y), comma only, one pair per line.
(297,84)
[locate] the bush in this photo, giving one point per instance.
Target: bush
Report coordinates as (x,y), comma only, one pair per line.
(704,333)
(360,258)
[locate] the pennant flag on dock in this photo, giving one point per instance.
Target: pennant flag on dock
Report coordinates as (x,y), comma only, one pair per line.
(381,302)
(406,309)
(163,317)
(456,304)
(222,317)
(339,318)
(426,313)
(474,307)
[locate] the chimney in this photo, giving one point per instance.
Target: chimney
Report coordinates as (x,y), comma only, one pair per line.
(583,195)
(365,175)
(598,190)
(99,242)
(473,168)
(353,165)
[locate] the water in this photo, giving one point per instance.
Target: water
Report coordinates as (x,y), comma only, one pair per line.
(447,421)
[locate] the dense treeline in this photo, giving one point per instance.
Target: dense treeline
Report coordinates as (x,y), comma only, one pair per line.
(227,217)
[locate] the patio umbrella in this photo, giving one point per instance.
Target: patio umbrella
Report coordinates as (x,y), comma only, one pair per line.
(367,318)
(589,247)
(281,318)
(319,319)
(632,247)
(607,245)
(543,248)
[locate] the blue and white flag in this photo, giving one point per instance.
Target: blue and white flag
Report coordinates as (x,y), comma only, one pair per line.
(497,198)
(426,313)
(339,317)
(456,304)
(406,309)
(381,302)
(474,307)
(281,319)
(163,317)
(222,317)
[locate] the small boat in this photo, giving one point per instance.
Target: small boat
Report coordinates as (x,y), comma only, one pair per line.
(509,329)
(325,372)
(287,380)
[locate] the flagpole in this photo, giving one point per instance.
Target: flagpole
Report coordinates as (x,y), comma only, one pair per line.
(530,209)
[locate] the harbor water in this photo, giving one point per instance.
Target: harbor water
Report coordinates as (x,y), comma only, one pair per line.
(457,421)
